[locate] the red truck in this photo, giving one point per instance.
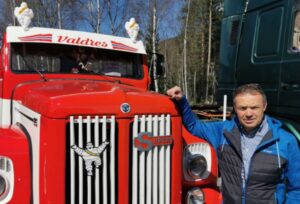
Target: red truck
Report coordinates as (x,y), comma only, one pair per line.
(79,125)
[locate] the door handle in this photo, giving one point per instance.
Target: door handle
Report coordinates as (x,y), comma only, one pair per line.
(289,86)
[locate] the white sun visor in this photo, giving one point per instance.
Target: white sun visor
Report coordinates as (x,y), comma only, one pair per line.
(68,37)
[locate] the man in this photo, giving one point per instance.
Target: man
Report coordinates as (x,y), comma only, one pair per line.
(259,162)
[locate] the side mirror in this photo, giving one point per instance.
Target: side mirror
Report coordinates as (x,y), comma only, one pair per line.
(160,65)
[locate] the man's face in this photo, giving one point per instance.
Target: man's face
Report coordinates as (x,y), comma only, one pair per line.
(250,108)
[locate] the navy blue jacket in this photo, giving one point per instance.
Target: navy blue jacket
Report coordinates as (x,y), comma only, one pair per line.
(274,174)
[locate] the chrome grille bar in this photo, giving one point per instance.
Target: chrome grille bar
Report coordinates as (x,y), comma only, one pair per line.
(85,188)
(134,162)
(104,175)
(142,165)
(80,161)
(72,163)
(162,168)
(149,163)
(168,161)
(151,169)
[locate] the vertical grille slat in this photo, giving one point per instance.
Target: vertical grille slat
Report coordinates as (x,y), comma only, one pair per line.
(104,162)
(149,164)
(134,162)
(72,162)
(168,161)
(89,179)
(161,162)
(91,182)
(80,160)
(112,162)
(155,163)
(97,172)
(142,165)
(151,169)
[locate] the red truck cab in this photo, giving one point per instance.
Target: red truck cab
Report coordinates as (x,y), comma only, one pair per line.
(79,125)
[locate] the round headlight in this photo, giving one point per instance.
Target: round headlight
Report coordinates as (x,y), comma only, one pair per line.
(3,185)
(197,165)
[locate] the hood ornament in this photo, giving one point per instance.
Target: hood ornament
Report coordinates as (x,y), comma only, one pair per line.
(90,155)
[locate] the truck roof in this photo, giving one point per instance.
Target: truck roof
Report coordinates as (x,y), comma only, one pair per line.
(16,34)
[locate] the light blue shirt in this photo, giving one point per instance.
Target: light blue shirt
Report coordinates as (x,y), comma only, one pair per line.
(249,143)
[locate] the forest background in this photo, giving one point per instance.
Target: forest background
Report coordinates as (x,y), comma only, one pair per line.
(186,32)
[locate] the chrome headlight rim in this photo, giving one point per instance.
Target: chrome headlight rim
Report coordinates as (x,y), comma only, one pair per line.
(4,185)
(198,148)
(196,166)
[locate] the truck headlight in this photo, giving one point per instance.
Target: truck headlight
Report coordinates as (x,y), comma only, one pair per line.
(196,166)
(197,161)
(6,179)
(195,196)
(3,185)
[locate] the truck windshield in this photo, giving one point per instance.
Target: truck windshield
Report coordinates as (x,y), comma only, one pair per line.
(53,58)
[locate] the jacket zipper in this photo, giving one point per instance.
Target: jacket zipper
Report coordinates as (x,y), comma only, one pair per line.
(243,184)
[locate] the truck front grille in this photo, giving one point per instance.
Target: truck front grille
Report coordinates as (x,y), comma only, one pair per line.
(151,169)
(100,187)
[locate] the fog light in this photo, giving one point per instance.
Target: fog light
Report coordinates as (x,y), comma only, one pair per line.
(197,166)
(195,196)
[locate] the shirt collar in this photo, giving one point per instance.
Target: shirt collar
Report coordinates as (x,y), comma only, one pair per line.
(258,130)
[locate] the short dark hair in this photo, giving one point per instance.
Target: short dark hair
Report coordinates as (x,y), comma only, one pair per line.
(249,88)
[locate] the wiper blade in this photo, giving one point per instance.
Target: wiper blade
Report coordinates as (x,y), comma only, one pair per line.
(34,69)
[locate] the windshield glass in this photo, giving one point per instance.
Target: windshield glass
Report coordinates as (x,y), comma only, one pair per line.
(53,58)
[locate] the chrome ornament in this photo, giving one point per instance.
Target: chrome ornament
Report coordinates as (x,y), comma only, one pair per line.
(90,155)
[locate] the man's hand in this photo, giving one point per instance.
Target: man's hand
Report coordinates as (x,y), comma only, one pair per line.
(175,93)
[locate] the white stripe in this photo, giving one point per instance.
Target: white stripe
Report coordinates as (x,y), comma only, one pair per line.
(5,115)
(15,32)
(34,132)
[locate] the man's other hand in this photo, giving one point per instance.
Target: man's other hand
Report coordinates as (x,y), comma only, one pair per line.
(175,93)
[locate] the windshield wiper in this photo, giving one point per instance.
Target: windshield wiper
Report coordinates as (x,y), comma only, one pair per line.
(34,69)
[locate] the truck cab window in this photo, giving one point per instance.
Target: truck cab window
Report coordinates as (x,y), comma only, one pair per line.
(295,47)
(66,59)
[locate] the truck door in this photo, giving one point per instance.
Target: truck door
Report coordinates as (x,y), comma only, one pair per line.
(261,44)
(289,90)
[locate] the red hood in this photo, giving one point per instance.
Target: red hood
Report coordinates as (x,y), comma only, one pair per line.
(62,98)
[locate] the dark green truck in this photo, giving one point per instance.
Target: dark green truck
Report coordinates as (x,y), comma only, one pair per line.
(260,43)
